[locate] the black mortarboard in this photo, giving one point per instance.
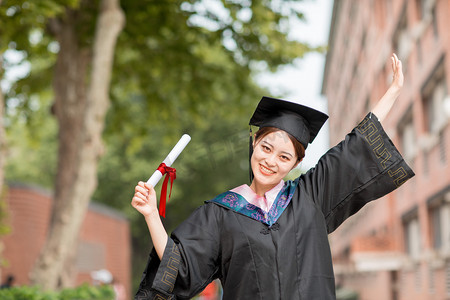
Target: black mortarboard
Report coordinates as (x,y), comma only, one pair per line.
(300,121)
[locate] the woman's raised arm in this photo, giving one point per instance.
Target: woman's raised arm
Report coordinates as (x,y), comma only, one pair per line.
(144,201)
(386,102)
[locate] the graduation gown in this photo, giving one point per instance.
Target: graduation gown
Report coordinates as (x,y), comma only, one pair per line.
(282,254)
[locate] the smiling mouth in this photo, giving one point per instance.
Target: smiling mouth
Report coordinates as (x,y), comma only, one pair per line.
(266,171)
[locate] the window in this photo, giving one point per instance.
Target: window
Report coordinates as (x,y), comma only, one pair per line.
(389,7)
(411,228)
(353,12)
(426,162)
(408,137)
(447,278)
(436,227)
(434,22)
(419,50)
(380,14)
(442,148)
(90,256)
(367,104)
(439,212)
(426,10)
(431,280)
(401,40)
(434,98)
(420,7)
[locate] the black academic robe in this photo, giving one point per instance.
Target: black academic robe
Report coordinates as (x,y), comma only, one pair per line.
(289,259)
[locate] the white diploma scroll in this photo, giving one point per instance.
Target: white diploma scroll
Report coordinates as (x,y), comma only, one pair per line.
(171,157)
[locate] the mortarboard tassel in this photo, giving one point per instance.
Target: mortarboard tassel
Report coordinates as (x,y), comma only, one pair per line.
(250,152)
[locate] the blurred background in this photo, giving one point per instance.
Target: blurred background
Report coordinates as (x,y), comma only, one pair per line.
(94,94)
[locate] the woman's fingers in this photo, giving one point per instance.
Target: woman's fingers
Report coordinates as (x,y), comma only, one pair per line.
(141,190)
(144,186)
(141,185)
(145,193)
(136,202)
(397,75)
(141,196)
(144,199)
(149,187)
(395,62)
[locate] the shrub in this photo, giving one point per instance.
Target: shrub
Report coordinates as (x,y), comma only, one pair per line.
(83,292)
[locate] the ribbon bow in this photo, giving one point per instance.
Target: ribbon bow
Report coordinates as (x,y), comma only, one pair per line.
(170,173)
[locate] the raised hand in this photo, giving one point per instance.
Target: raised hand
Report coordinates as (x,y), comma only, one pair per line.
(397,77)
(385,104)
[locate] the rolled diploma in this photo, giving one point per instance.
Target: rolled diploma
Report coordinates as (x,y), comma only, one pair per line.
(171,157)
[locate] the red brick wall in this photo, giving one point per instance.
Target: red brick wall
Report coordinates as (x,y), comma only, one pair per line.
(103,228)
(114,235)
(29,213)
(357,73)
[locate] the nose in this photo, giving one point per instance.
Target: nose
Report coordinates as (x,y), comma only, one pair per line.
(270,160)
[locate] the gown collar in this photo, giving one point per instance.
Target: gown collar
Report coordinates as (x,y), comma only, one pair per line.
(264,202)
(239,204)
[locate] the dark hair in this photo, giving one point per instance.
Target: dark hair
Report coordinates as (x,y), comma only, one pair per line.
(299,149)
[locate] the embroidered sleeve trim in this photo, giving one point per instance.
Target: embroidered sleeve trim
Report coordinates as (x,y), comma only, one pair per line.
(168,269)
(386,155)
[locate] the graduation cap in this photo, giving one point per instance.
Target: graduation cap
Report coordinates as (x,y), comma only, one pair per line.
(300,121)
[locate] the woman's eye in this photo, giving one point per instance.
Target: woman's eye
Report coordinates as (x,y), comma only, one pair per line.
(265,148)
(285,158)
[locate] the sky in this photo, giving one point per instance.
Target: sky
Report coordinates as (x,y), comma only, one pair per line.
(302,81)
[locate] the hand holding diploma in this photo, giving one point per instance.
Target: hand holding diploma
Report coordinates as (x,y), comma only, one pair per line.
(144,201)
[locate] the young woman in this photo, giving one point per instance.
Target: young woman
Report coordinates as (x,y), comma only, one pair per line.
(269,240)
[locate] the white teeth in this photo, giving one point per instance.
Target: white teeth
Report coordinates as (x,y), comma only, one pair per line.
(266,169)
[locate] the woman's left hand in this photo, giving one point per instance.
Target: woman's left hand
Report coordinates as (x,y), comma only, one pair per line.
(397,77)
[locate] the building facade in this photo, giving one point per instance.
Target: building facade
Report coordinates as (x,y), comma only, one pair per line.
(103,244)
(397,247)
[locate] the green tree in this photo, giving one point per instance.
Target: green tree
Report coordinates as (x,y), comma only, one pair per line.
(180,66)
(82,71)
(2,130)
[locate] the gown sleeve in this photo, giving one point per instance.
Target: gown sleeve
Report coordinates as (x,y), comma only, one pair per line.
(189,262)
(363,167)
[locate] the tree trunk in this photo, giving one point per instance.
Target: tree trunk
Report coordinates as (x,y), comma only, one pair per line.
(2,146)
(81,103)
(2,132)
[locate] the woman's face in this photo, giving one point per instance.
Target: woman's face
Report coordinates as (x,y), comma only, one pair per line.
(273,157)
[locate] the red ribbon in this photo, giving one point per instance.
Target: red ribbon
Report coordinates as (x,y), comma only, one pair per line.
(170,173)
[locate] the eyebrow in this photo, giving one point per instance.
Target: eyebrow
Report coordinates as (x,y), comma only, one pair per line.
(288,153)
(266,142)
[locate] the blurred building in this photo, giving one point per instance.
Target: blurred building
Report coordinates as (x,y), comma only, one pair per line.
(397,247)
(104,245)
